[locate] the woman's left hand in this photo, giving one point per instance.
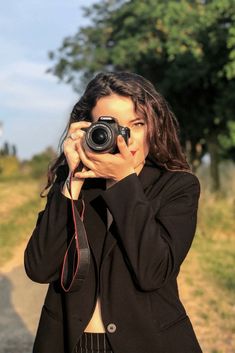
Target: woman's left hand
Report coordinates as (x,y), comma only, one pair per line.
(106,165)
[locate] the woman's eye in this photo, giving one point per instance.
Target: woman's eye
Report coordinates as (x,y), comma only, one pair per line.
(139,123)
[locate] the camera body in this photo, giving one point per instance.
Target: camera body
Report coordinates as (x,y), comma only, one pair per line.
(101,136)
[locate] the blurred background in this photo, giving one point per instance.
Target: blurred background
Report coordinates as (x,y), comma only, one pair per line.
(49,51)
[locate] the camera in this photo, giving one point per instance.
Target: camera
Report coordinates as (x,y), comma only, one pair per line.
(101,136)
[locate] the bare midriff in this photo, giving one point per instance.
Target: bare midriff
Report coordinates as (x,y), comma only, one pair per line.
(96,323)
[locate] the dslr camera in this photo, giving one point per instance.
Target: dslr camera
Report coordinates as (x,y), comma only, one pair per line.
(101,136)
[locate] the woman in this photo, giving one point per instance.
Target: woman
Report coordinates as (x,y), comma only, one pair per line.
(140,219)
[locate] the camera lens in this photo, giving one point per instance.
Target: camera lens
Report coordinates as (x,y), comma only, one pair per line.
(99,136)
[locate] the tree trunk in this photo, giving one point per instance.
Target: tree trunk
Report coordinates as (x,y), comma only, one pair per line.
(193,152)
(213,149)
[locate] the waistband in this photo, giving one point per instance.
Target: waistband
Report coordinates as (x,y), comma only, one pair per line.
(94,341)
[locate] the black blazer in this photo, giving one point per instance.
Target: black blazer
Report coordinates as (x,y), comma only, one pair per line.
(134,265)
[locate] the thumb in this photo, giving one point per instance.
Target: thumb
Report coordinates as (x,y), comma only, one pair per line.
(121,143)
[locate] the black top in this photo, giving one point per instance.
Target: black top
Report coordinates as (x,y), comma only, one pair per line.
(134,264)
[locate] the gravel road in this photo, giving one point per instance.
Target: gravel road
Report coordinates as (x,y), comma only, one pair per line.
(20,306)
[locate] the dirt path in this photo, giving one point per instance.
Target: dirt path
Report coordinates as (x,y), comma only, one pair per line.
(20,305)
(211,312)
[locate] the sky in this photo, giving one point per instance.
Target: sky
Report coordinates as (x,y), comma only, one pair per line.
(34,106)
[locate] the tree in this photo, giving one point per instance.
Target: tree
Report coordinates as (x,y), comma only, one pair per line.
(8,150)
(186,48)
(14,150)
(40,162)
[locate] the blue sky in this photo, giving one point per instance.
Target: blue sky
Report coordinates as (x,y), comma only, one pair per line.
(34,107)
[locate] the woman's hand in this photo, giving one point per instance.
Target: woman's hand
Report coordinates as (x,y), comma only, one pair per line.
(72,143)
(107,165)
(71,147)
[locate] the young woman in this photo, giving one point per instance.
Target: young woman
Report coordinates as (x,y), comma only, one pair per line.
(140,217)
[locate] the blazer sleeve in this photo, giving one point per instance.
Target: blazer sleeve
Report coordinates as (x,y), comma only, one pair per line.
(47,245)
(155,234)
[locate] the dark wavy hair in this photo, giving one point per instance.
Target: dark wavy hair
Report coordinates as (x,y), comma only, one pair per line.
(162,125)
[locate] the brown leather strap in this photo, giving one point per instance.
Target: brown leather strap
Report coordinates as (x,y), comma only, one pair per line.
(77,257)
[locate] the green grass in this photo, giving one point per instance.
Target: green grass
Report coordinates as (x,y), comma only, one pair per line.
(18,224)
(215,241)
(17,229)
(198,292)
(217,259)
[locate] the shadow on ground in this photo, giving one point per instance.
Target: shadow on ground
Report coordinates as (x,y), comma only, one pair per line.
(20,306)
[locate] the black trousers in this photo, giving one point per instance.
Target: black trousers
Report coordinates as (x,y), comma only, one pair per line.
(93,343)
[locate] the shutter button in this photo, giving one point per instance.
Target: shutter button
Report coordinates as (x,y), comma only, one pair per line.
(111,328)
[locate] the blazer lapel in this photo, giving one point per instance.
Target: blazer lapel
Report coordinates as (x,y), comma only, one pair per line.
(150,173)
(148,177)
(110,241)
(95,218)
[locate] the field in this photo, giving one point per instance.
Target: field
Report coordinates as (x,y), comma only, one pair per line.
(207,277)
(19,204)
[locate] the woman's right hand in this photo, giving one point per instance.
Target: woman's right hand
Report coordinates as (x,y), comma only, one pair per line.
(71,143)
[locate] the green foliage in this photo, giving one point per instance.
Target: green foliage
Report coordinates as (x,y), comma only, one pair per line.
(39,163)
(186,48)
(228,142)
(12,169)
(8,150)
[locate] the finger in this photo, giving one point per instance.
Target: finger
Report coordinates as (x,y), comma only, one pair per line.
(71,155)
(80,170)
(86,174)
(75,135)
(122,146)
(98,157)
(79,125)
(69,144)
(86,162)
(84,169)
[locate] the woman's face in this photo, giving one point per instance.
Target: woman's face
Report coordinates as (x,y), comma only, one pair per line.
(122,108)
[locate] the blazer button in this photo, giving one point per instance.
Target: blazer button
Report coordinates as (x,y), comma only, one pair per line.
(111,328)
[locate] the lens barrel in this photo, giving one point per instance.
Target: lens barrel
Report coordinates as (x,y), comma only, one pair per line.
(100,137)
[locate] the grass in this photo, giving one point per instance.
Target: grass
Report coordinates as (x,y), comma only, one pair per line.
(18,217)
(215,241)
(216,216)
(217,259)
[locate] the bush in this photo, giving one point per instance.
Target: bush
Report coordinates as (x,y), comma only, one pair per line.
(39,163)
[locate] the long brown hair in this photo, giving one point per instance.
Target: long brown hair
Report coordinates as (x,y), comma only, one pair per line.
(163,127)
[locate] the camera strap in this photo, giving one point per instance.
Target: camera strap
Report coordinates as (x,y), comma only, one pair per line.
(77,257)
